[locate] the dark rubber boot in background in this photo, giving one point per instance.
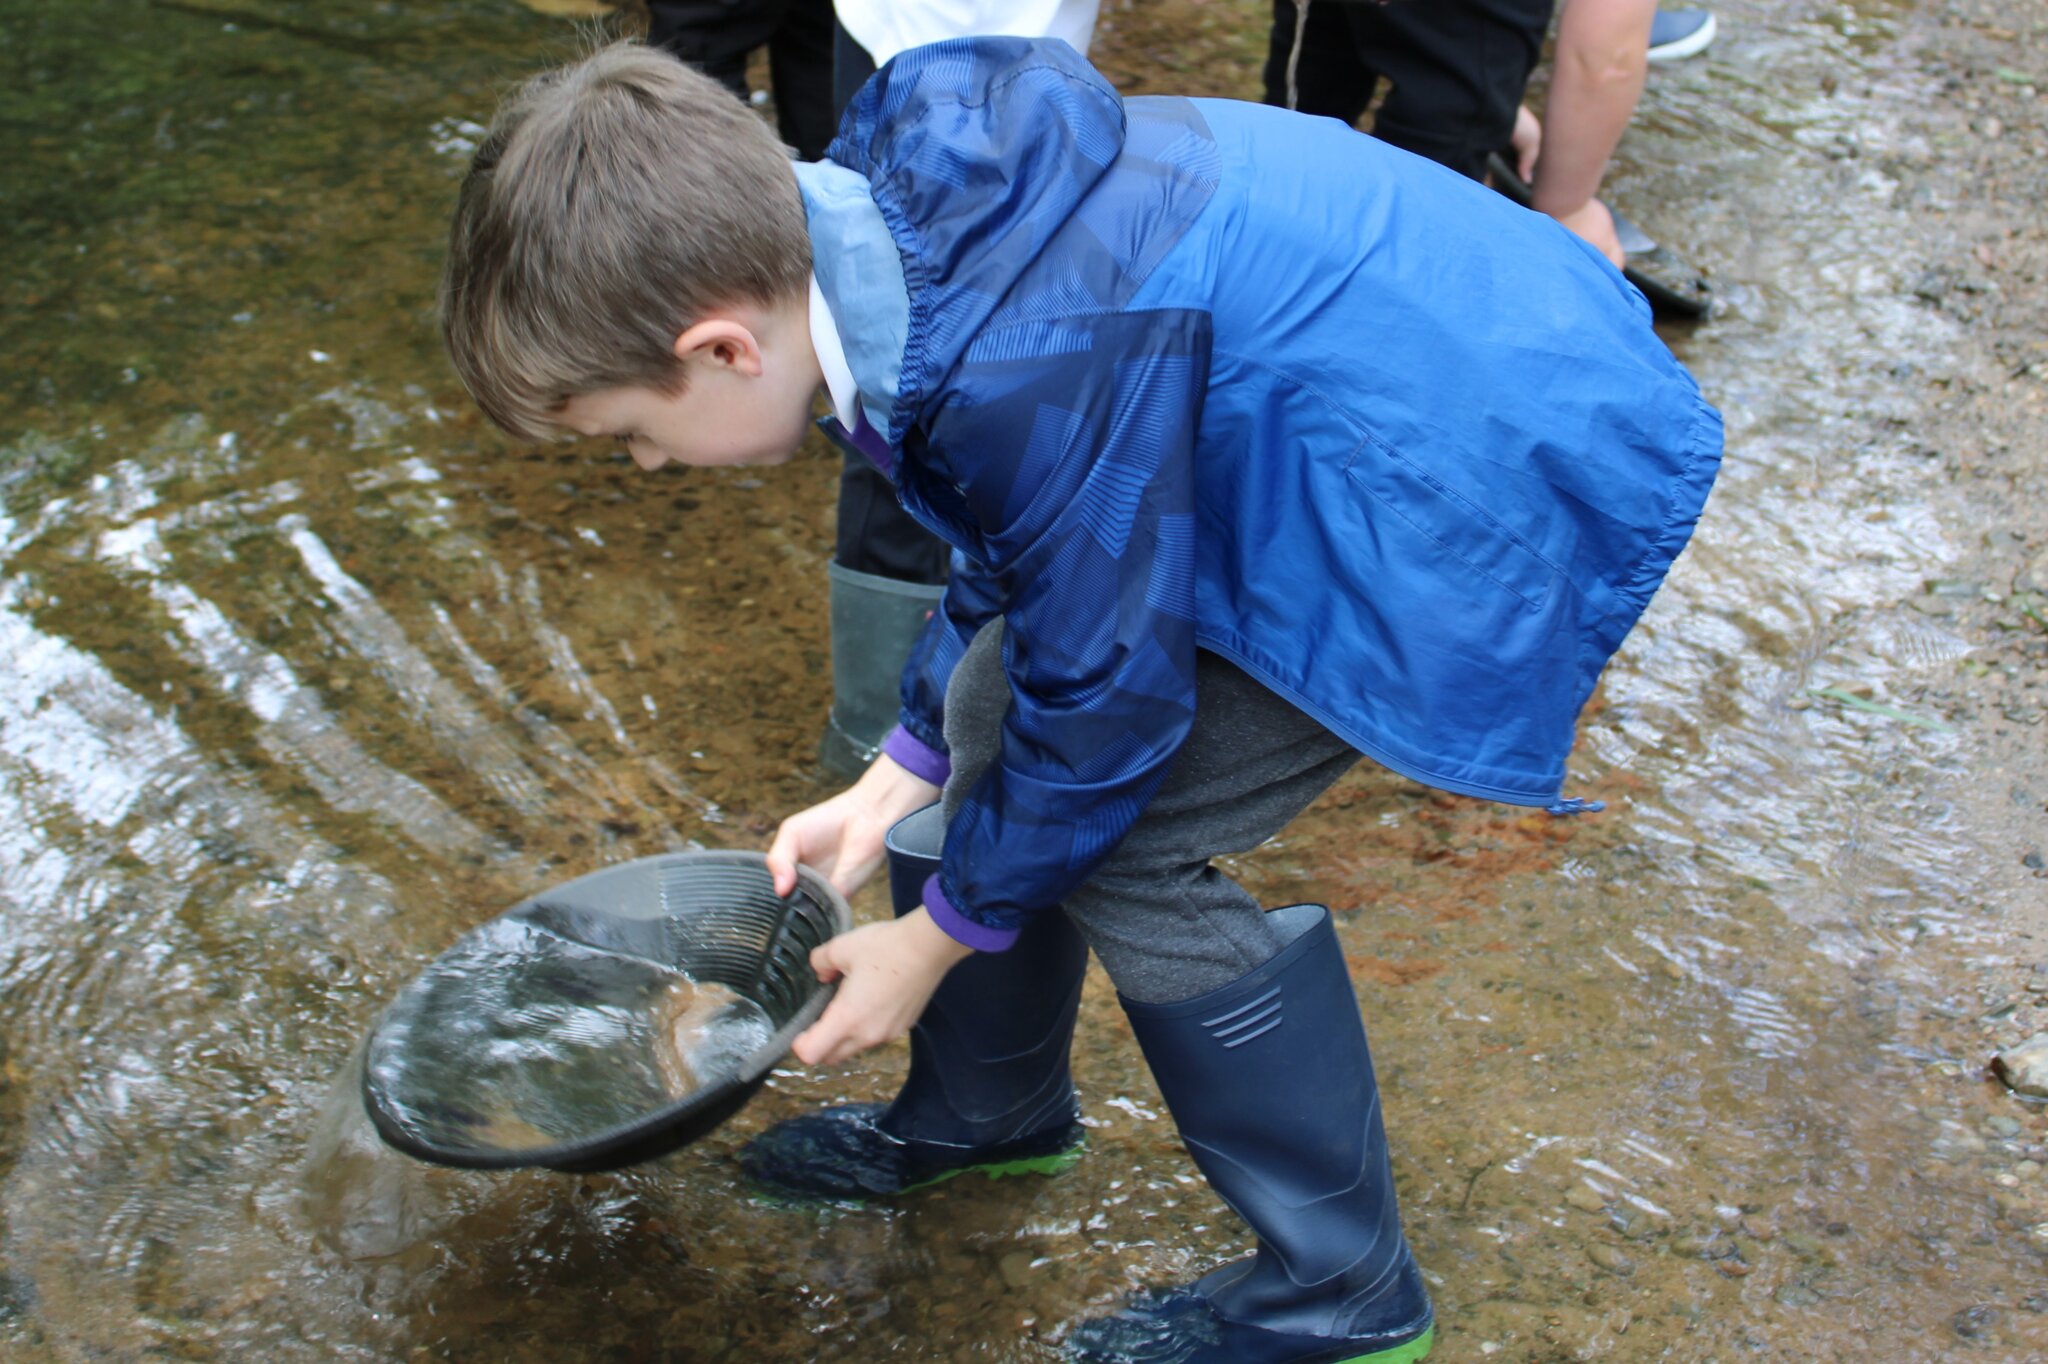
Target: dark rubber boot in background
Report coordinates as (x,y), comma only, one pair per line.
(1271,1085)
(875,621)
(988,1088)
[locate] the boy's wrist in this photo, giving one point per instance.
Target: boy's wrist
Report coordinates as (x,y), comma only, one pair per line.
(892,791)
(948,919)
(934,944)
(916,756)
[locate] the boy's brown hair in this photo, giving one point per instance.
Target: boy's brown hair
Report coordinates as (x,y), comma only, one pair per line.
(612,203)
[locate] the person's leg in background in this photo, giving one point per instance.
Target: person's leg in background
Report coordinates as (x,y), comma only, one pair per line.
(712,35)
(852,64)
(885,580)
(1329,79)
(800,65)
(718,36)
(1457,69)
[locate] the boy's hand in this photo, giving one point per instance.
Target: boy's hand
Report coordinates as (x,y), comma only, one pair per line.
(1527,141)
(887,973)
(842,837)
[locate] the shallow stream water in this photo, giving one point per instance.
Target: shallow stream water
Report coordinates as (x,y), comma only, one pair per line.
(309,674)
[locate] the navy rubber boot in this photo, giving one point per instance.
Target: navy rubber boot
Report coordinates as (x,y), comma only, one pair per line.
(1271,1085)
(988,1089)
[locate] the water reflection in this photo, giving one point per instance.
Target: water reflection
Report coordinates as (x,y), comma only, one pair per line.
(310,675)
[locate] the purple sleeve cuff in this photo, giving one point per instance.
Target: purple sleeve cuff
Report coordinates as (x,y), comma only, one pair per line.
(958,926)
(917,757)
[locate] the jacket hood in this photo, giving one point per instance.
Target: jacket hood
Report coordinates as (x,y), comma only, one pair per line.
(977,152)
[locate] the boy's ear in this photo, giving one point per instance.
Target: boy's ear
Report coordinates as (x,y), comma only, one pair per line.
(721,342)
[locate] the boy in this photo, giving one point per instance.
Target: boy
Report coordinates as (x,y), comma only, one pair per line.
(1268,444)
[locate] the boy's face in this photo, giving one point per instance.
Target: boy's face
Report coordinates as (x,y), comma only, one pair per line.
(749,376)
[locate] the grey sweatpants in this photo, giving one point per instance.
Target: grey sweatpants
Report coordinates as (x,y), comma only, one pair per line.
(1166,924)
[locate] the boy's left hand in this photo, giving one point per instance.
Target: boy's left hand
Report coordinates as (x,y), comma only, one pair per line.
(886,974)
(843,837)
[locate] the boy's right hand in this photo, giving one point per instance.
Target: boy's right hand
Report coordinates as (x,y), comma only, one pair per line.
(842,837)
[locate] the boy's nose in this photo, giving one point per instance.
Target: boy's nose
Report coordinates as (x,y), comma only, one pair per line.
(646,456)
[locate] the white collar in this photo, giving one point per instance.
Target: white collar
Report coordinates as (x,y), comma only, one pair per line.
(831,353)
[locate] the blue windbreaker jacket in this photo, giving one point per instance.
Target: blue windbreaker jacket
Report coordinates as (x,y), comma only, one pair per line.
(1192,373)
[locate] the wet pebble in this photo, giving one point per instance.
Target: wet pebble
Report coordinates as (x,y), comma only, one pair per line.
(17,1295)
(1710,1247)
(1585,1199)
(2025,1067)
(1015,1268)
(2034,577)
(1796,1295)
(1974,1321)
(1610,1258)
(2003,1125)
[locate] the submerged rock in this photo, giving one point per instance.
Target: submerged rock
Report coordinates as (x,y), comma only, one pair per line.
(1610,1259)
(2025,1067)
(1585,1199)
(1972,1322)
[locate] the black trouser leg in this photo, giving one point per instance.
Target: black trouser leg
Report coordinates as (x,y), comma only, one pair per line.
(877,536)
(1458,72)
(1330,79)
(717,37)
(1457,68)
(711,35)
(851,66)
(800,62)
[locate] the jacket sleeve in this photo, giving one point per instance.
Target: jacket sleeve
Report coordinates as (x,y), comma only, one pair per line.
(1071,442)
(972,599)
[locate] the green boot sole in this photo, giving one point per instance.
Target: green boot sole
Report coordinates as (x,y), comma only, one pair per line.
(1415,1349)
